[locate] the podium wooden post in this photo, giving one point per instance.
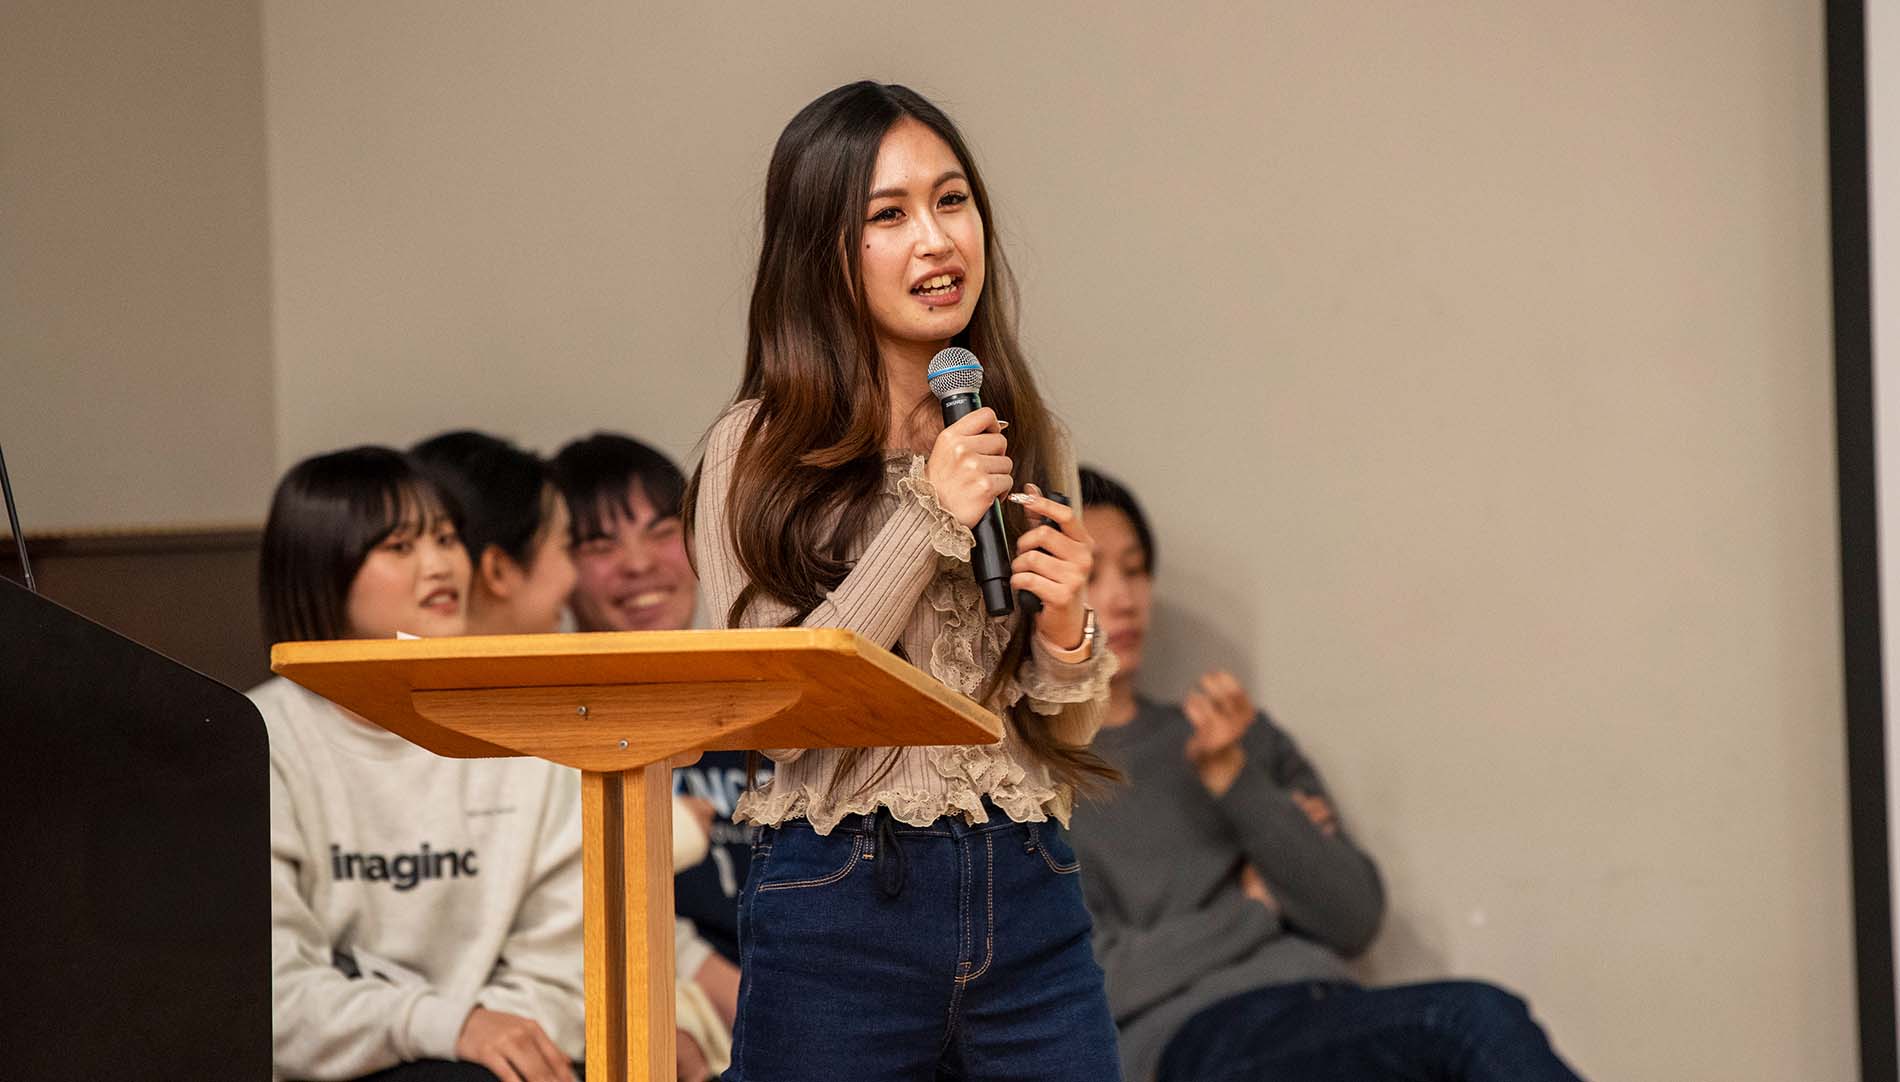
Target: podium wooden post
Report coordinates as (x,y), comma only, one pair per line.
(618,706)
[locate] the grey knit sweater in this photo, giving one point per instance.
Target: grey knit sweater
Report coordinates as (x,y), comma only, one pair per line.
(1160,869)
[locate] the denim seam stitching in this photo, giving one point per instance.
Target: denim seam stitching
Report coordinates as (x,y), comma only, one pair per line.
(798,884)
(989,939)
(966,942)
(950,1020)
(1059,869)
(963,945)
(745,986)
(1035,842)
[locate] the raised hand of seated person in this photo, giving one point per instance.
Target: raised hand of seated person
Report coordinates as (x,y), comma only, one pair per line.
(1221,714)
(515,1048)
(1253,886)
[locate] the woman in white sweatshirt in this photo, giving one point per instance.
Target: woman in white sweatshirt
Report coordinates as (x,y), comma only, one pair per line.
(424,910)
(516,529)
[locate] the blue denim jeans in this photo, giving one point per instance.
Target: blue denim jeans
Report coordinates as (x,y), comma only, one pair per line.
(1450,1030)
(890,952)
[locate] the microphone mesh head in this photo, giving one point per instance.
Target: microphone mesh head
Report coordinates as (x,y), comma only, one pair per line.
(953,371)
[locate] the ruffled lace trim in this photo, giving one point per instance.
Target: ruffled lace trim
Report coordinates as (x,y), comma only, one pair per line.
(1084,681)
(949,537)
(976,767)
(769,806)
(968,644)
(992,770)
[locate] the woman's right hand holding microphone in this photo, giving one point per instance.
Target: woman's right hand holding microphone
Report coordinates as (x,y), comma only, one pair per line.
(969,466)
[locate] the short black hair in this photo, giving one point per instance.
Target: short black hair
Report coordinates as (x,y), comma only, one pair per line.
(1101,490)
(595,472)
(506,493)
(328,513)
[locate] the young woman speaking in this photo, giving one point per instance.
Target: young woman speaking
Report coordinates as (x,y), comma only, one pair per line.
(911,913)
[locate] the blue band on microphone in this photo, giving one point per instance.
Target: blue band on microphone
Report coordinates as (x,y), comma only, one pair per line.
(956,368)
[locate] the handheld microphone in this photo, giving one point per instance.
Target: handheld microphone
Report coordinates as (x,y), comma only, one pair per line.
(955,377)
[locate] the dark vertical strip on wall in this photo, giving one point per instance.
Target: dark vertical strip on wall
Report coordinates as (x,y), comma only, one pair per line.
(1860,537)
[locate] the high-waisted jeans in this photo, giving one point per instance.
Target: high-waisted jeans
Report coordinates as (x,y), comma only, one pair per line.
(891,952)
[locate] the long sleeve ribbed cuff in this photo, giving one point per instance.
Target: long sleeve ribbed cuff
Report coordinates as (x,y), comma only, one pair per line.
(1051,683)
(435,1023)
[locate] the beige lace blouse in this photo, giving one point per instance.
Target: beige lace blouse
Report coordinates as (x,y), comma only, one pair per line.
(911,584)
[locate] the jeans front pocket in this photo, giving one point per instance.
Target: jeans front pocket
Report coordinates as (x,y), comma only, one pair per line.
(802,859)
(1048,841)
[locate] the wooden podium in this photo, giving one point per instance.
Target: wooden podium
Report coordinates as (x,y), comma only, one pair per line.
(617,706)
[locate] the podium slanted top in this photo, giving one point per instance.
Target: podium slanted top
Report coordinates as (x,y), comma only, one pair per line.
(616,700)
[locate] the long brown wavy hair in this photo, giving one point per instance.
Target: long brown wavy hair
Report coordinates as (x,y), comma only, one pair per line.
(812,460)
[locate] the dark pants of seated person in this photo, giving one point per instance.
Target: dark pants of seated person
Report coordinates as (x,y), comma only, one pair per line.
(438,1070)
(1462,1030)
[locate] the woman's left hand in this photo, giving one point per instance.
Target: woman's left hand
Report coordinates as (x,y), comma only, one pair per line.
(1053,562)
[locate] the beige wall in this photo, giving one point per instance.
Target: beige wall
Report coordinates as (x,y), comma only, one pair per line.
(1473,360)
(135,382)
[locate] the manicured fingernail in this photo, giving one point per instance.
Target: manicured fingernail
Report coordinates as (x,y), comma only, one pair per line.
(1020,497)
(1000,425)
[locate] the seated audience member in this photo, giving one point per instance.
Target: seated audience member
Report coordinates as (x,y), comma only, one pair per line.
(514,525)
(1226,890)
(629,544)
(517,531)
(634,575)
(424,910)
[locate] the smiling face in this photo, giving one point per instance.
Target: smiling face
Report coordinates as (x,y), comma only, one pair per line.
(921,254)
(415,580)
(634,575)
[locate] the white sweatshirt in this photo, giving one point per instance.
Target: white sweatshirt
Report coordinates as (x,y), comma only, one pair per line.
(450,883)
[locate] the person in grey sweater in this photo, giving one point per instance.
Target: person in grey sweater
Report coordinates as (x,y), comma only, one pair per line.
(1227,893)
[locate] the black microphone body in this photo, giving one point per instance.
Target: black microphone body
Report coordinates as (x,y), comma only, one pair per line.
(989,559)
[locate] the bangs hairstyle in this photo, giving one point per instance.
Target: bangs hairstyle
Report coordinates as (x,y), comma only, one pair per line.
(1101,490)
(328,513)
(810,466)
(595,474)
(506,494)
